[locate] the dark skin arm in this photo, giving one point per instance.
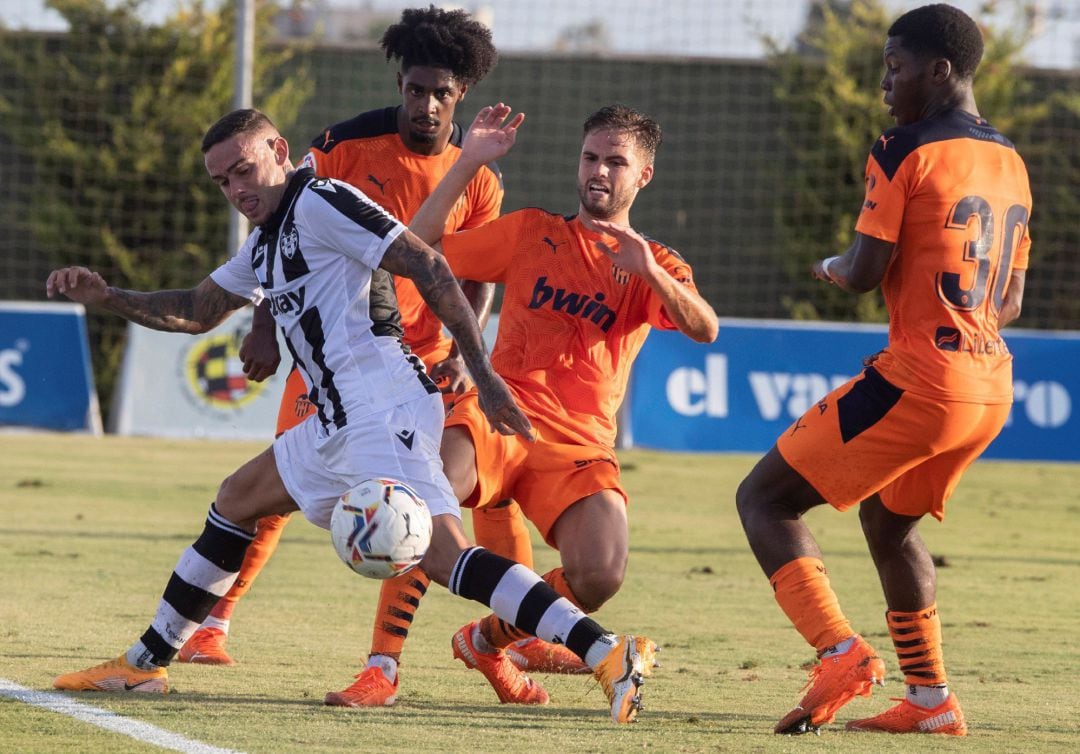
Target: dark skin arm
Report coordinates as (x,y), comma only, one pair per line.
(1014,298)
(195,310)
(859,269)
(410,257)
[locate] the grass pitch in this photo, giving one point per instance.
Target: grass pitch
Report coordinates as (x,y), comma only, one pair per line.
(91,527)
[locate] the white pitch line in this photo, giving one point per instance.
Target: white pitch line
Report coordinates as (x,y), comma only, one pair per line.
(108,720)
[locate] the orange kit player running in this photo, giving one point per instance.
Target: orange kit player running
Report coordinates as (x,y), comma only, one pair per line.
(581,294)
(397,155)
(943,229)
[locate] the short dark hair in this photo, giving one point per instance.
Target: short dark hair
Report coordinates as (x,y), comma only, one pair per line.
(943,31)
(236,122)
(640,127)
(441,39)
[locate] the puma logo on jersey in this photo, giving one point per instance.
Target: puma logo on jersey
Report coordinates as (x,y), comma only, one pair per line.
(290,302)
(377,182)
(885,141)
(554,246)
(580,305)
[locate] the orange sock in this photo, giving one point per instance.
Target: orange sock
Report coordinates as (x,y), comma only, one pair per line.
(398,600)
(501,634)
(501,529)
(802,590)
(917,638)
(258,553)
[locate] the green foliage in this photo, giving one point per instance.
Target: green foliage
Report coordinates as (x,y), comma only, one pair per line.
(112,116)
(829,87)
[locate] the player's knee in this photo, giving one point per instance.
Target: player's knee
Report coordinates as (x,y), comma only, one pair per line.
(595,586)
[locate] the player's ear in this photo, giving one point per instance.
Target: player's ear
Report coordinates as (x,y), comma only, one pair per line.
(400,81)
(464,89)
(281,150)
(646,176)
(941,69)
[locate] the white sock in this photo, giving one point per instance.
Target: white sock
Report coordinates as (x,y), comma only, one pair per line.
(927,697)
(600,649)
(839,649)
(480,641)
(139,656)
(221,624)
(388,665)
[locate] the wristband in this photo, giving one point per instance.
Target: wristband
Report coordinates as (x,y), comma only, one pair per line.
(825,267)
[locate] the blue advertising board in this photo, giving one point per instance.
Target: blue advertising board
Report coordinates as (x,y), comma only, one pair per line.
(741,392)
(45,376)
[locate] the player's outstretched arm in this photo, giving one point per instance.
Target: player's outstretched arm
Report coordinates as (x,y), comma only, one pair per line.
(410,257)
(691,313)
(490,137)
(194,310)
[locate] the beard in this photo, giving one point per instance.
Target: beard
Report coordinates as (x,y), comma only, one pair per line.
(604,208)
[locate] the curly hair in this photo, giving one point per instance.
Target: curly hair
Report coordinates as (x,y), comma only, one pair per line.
(441,39)
(941,31)
(642,129)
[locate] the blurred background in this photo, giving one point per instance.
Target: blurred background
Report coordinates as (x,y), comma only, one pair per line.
(769,110)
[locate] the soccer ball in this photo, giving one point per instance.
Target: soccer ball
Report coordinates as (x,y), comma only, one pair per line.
(381,528)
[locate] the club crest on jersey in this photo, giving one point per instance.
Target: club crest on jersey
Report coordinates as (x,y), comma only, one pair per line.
(290,242)
(308,161)
(622,277)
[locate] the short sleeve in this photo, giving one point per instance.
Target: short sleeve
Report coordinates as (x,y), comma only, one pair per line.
(883,206)
(678,268)
(483,254)
(343,219)
(237,276)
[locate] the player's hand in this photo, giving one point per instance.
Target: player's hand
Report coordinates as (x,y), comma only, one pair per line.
(500,409)
(491,135)
(77,283)
(633,253)
(451,375)
(260,353)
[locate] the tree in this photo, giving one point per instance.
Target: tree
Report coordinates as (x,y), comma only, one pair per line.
(111,115)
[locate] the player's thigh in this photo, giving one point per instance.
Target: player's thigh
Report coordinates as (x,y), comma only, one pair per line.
(557,475)
(965,432)
(254,490)
(593,534)
(860,437)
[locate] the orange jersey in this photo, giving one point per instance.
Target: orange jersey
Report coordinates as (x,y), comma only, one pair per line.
(368,153)
(571,322)
(953,194)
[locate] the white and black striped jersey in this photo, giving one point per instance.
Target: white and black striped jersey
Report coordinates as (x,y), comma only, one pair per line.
(314,260)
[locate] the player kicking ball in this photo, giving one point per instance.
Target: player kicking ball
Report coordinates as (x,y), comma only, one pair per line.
(316,244)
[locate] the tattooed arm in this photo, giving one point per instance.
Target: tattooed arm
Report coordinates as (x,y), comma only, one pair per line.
(193,311)
(410,257)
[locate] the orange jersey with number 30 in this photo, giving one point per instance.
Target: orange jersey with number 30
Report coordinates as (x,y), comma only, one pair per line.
(367,152)
(953,194)
(571,321)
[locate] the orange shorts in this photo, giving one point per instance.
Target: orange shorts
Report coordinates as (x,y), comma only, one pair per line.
(545,477)
(295,406)
(869,436)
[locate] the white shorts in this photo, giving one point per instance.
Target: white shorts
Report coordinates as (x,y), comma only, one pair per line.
(401,443)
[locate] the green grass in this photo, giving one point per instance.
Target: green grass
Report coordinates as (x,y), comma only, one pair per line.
(91,527)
